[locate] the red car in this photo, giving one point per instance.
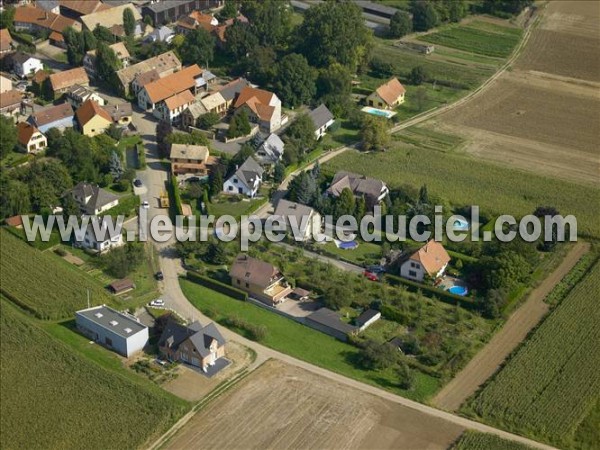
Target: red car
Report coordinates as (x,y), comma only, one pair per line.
(370,275)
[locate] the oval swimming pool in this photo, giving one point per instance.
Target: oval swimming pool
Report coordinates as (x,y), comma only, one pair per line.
(458,290)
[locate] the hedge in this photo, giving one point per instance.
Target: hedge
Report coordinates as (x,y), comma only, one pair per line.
(440,294)
(141,156)
(215,285)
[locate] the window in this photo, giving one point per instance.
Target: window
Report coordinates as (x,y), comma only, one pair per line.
(239,282)
(247,285)
(108,341)
(412,273)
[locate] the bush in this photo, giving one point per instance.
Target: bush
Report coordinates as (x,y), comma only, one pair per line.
(432,291)
(141,155)
(255,332)
(376,356)
(217,286)
(60,252)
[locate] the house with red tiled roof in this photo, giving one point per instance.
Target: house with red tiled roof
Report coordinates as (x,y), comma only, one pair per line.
(33,18)
(6,42)
(92,118)
(388,95)
(30,139)
(430,260)
(62,81)
(171,108)
(186,79)
(263,107)
(10,101)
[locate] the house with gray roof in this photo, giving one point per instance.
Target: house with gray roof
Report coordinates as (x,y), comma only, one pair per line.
(197,345)
(329,322)
(371,189)
(246,180)
(232,90)
(270,151)
(117,331)
(322,119)
(301,221)
(92,199)
(101,235)
(161,34)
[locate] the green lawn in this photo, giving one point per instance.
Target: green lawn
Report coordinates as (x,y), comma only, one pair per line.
(233,206)
(366,253)
(297,340)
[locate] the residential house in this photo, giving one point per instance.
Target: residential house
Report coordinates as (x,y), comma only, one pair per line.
(24,64)
(10,102)
(168,11)
(121,114)
(161,34)
(30,139)
(371,189)
(142,79)
(75,9)
(59,116)
(329,322)
(197,345)
(38,79)
(301,220)
(367,318)
(112,18)
(322,119)
(7,44)
(62,81)
(246,179)
(430,260)
(213,103)
(89,60)
(52,6)
(194,20)
(77,95)
(92,118)
(261,280)
(270,151)
(117,331)
(231,90)
(34,19)
(5,84)
(14,221)
(191,160)
(263,107)
(92,199)
(388,95)
(163,88)
(171,108)
(102,235)
(164,64)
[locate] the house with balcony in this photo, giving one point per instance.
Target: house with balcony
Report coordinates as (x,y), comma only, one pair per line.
(261,280)
(191,161)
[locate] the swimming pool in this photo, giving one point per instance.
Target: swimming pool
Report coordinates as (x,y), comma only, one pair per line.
(458,290)
(379,112)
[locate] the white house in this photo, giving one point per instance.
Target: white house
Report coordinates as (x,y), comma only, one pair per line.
(367,318)
(263,107)
(171,108)
(322,119)
(24,65)
(77,96)
(102,235)
(117,331)
(30,138)
(301,220)
(246,180)
(270,151)
(431,260)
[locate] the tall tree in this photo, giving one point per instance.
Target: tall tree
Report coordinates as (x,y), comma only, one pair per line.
(334,32)
(271,21)
(163,130)
(400,24)
(345,203)
(198,48)
(261,65)
(8,136)
(425,16)
(75,42)
(14,196)
(229,11)
(107,63)
(374,134)
(128,22)
(239,125)
(7,17)
(299,138)
(295,80)
(334,86)
(239,40)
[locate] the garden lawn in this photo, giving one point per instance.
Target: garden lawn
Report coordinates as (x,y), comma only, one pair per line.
(299,341)
(366,253)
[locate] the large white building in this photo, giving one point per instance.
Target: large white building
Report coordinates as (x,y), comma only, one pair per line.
(117,331)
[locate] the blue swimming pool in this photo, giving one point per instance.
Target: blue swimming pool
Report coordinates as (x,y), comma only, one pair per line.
(379,112)
(458,290)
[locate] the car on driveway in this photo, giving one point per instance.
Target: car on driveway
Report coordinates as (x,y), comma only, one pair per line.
(370,276)
(157,303)
(137,182)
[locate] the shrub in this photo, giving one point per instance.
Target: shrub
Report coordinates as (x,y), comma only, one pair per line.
(217,286)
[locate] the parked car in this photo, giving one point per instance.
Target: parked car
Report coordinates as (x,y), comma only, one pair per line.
(157,303)
(376,269)
(137,182)
(145,204)
(159,276)
(370,276)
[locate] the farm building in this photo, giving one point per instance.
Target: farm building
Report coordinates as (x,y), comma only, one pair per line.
(329,322)
(367,318)
(117,331)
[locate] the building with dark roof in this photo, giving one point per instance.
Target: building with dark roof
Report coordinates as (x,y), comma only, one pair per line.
(246,180)
(197,345)
(262,280)
(367,318)
(92,199)
(322,119)
(329,322)
(117,331)
(59,116)
(371,189)
(168,11)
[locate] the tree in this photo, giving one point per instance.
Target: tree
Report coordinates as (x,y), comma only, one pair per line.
(148,20)
(121,261)
(421,98)
(195,190)
(406,377)
(295,80)
(504,8)
(70,206)
(374,134)
(457,9)
(376,356)
(423,195)
(400,24)
(7,17)
(163,130)
(14,196)
(215,180)
(75,42)
(104,34)
(334,32)
(229,11)
(8,136)
(208,120)
(360,208)
(345,204)
(89,40)
(270,21)
(239,40)
(198,48)
(107,63)
(300,135)
(337,295)
(303,189)
(334,87)
(425,16)
(278,172)
(128,22)
(116,167)
(216,253)
(239,125)
(382,68)
(417,75)
(261,66)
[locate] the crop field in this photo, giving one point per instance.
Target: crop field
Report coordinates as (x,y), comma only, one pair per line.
(472,440)
(418,159)
(477,37)
(285,407)
(43,284)
(552,383)
(51,397)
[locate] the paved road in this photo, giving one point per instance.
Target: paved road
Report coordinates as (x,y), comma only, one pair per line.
(487,361)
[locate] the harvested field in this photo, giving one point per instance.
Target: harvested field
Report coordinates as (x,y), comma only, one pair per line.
(281,406)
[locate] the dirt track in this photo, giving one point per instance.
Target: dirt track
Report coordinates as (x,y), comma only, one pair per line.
(516,328)
(285,407)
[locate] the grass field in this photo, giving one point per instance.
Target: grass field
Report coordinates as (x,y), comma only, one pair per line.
(432,159)
(52,397)
(302,342)
(472,440)
(41,284)
(552,382)
(478,37)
